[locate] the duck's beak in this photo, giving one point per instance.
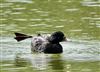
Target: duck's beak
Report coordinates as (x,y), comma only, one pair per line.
(64,39)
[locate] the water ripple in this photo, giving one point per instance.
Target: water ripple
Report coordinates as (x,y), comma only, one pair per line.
(91,3)
(19,8)
(91,18)
(72,9)
(61,26)
(20,19)
(38,25)
(16,13)
(98,25)
(21,1)
(35,19)
(76,30)
(5,4)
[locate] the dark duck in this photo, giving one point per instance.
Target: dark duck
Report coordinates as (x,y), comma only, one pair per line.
(49,45)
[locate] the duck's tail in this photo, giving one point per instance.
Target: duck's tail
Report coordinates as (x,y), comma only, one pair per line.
(20,36)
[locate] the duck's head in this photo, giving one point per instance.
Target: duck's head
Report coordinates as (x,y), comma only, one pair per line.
(57,37)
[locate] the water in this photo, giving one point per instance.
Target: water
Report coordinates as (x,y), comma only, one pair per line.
(78,19)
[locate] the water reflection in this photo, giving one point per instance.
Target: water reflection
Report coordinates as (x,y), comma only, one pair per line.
(38,61)
(19,61)
(56,63)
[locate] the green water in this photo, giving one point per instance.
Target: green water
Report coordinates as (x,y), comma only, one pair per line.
(78,19)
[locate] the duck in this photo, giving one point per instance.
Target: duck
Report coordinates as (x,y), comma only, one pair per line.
(50,44)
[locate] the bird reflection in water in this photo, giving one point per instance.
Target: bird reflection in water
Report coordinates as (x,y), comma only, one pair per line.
(20,61)
(57,63)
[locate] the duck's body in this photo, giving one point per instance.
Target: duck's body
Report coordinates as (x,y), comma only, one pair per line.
(49,45)
(40,44)
(53,48)
(37,44)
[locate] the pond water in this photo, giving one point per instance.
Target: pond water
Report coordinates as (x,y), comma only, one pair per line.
(78,19)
